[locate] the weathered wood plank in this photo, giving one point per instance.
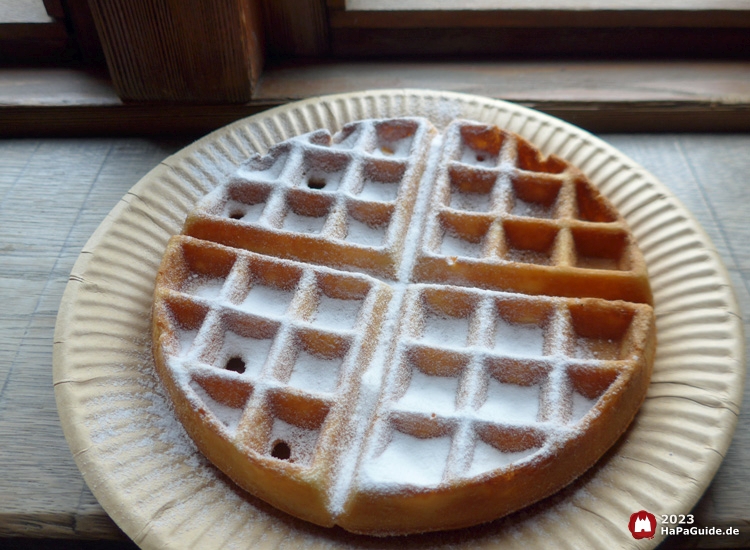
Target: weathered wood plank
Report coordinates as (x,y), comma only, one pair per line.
(586,84)
(54,195)
(603,96)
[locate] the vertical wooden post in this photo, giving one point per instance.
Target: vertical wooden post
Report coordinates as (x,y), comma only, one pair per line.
(296,28)
(199,51)
(84,30)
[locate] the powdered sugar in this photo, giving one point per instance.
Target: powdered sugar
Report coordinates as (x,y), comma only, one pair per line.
(409,460)
(510,404)
(364,234)
(321,180)
(429,394)
(456,246)
(444,330)
(580,407)
(266,300)
(300,441)
(531,209)
(263,168)
(315,374)
(476,202)
(487,458)
(519,340)
(298,223)
(336,314)
(597,348)
(394,148)
(377,378)
(252,351)
(478,157)
(379,191)
(186,339)
(204,287)
(249,213)
(229,416)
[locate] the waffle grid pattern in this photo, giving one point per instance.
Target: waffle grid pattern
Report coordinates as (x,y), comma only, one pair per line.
(558,382)
(499,203)
(274,374)
(453,368)
(261,405)
(495,182)
(315,197)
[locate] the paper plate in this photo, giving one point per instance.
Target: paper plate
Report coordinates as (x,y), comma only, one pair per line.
(148,475)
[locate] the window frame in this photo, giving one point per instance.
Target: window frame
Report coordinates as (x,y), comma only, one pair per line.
(67,37)
(306,56)
(625,28)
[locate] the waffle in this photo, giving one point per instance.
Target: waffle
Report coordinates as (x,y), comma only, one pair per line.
(397,330)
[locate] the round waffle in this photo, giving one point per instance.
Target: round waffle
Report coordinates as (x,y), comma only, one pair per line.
(400,330)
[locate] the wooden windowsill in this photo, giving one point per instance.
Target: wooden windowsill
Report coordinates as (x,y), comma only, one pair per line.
(29,34)
(539,13)
(533,29)
(525,17)
(618,96)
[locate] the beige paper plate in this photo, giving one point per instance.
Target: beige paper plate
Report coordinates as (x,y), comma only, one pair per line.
(149,476)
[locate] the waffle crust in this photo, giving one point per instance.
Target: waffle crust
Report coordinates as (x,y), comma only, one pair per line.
(399,330)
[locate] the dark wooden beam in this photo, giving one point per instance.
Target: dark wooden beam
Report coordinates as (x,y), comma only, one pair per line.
(188,51)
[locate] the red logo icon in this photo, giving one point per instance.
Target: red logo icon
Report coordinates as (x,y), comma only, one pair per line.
(642,525)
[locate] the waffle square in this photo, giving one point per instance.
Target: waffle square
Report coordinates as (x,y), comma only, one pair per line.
(505,217)
(344,201)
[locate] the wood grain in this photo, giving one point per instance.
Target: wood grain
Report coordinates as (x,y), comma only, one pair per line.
(295,27)
(583,83)
(193,51)
(54,193)
(599,96)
